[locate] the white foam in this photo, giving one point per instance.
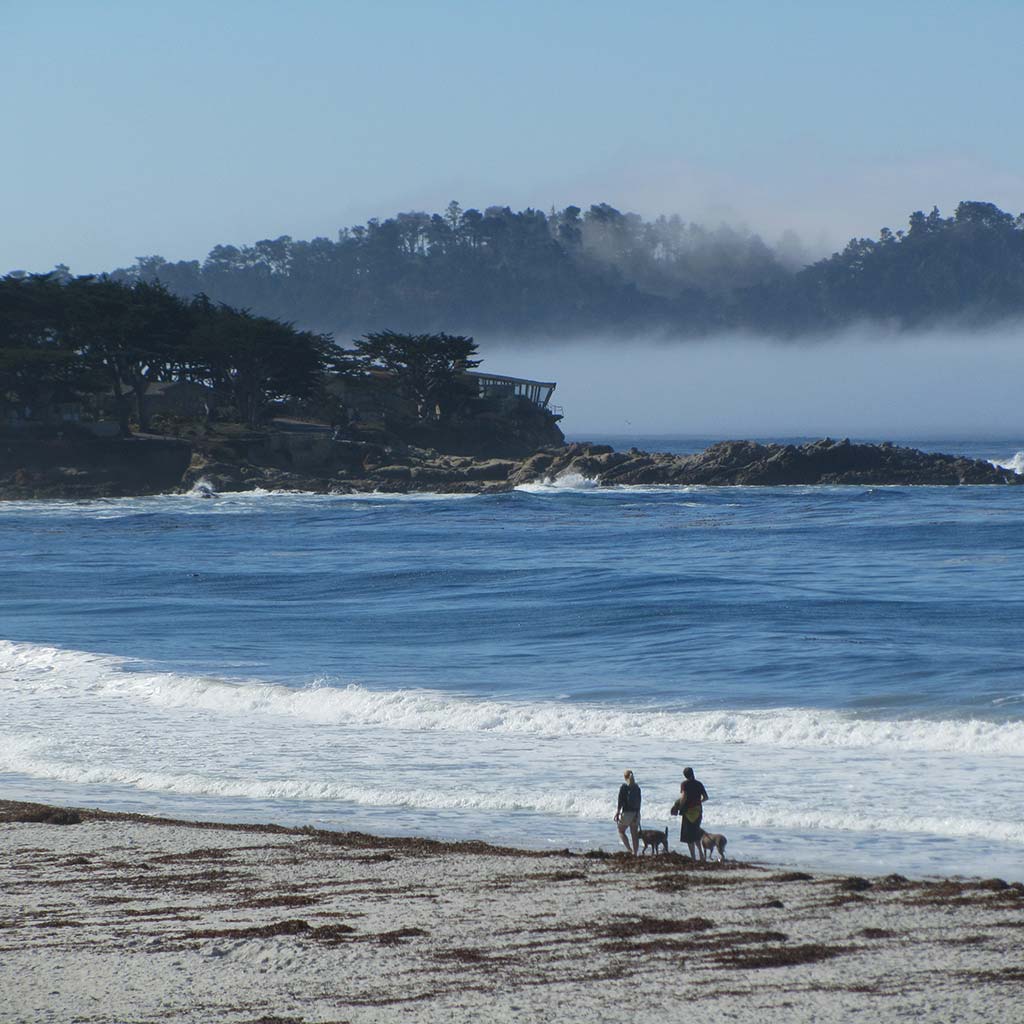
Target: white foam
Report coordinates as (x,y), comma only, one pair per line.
(577,483)
(792,819)
(1016,463)
(409,496)
(29,667)
(564,482)
(202,488)
(22,757)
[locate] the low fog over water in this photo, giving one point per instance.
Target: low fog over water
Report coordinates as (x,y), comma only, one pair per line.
(867,384)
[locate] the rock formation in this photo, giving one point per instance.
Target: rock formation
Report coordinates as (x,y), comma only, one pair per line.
(746,462)
(318,463)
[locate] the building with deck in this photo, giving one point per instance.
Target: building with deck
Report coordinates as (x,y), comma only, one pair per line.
(493,385)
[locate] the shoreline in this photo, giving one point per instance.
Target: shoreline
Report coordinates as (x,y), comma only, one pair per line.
(884,853)
(29,811)
(64,469)
(115,916)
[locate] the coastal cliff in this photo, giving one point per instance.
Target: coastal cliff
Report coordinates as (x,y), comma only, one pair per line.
(318,463)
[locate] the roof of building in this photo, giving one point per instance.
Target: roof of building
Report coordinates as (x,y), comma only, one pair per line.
(507,380)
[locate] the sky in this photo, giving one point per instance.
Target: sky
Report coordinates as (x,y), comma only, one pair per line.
(136,128)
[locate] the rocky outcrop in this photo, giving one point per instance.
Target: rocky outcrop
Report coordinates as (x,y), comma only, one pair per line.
(55,469)
(750,463)
(350,466)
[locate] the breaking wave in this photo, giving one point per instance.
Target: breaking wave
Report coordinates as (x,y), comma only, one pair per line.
(96,677)
(565,482)
(1016,463)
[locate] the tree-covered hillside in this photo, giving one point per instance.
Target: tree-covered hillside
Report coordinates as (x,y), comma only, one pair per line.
(574,272)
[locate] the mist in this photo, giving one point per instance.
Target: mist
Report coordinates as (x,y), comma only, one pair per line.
(866,384)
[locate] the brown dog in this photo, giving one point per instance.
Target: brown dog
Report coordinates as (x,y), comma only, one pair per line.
(709,843)
(653,838)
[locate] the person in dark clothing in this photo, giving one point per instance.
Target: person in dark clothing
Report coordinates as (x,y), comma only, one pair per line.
(627,815)
(690,806)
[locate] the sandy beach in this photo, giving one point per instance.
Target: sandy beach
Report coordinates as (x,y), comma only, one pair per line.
(119,918)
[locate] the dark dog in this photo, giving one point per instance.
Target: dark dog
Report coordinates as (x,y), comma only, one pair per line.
(653,838)
(711,842)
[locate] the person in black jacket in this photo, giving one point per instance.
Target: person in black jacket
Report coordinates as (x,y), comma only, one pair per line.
(690,806)
(627,814)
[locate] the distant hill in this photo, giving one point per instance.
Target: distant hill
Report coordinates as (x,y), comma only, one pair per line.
(572,272)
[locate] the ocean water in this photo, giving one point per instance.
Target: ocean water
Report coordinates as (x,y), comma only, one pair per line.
(842,666)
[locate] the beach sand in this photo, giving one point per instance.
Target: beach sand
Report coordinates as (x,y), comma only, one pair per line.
(121,918)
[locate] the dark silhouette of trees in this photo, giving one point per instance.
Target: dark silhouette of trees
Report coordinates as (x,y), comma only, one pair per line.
(64,338)
(253,360)
(129,334)
(427,367)
(37,367)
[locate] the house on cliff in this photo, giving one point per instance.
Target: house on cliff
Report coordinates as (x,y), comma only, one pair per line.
(489,413)
(493,385)
(376,397)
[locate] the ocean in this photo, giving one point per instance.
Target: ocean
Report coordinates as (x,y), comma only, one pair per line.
(841,666)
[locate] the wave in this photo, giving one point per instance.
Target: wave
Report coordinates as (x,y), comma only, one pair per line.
(565,482)
(1016,463)
(407,496)
(577,483)
(202,488)
(30,667)
(590,806)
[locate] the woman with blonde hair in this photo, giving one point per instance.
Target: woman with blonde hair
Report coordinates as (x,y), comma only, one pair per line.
(628,813)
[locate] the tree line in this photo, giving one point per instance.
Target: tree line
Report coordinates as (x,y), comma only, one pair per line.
(66,338)
(572,272)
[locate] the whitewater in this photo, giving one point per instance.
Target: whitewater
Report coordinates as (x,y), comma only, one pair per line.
(841,666)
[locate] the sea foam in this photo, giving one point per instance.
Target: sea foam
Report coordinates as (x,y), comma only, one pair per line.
(565,482)
(22,757)
(1016,463)
(96,677)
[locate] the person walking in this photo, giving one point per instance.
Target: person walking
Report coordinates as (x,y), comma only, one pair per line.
(690,806)
(627,814)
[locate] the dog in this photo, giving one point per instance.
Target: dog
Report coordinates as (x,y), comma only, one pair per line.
(653,838)
(709,843)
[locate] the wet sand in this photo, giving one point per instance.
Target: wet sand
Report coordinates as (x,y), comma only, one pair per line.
(121,918)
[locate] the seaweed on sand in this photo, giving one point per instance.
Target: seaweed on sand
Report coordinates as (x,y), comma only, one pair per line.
(327,933)
(781,956)
(656,926)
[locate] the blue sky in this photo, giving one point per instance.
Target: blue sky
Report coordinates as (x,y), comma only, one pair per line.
(137,128)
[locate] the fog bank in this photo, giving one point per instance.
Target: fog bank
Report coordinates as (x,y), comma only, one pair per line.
(864,383)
